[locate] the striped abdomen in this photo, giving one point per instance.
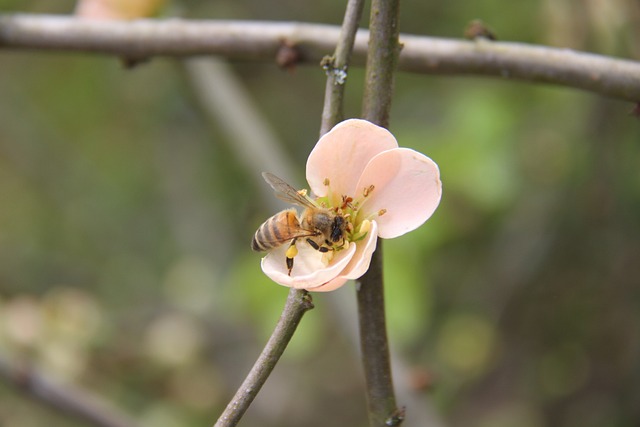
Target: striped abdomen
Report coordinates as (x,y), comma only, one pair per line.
(277,230)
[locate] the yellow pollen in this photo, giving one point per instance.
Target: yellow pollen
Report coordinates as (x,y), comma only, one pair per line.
(303,192)
(382,212)
(292,251)
(367,190)
(327,257)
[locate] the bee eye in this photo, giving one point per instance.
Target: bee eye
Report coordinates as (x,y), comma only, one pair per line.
(336,230)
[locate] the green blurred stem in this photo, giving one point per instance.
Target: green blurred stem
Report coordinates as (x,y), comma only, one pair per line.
(298,303)
(382,59)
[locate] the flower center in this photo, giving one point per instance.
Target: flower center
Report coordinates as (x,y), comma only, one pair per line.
(348,207)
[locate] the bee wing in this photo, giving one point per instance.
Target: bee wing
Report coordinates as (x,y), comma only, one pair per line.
(286,192)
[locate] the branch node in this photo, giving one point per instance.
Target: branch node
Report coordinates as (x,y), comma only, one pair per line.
(396,418)
(307,302)
(335,73)
(130,62)
(288,55)
(478,30)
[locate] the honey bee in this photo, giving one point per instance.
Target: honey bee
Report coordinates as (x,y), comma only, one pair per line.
(320,227)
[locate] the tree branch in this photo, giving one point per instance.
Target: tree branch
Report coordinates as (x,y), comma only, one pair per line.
(337,66)
(261,41)
(298,303)
(382,59)
(66,398)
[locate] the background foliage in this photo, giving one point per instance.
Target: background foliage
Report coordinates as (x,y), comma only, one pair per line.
(126,216)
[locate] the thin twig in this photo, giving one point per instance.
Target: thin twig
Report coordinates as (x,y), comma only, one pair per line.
(337,67)
(261,41)
(298,303)
(382,59)
(77,402)
(378,92)
(374,343)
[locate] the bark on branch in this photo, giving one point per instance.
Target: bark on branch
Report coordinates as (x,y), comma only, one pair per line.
(298,303)
(261,41)
(382,60)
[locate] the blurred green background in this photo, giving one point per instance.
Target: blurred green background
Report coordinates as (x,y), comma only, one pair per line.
(127,208)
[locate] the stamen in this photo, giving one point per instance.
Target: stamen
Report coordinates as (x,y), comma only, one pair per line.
(303,192)
(367,190)
(363,230)
(382,212)
(365,226)
(346,202)
(326,182)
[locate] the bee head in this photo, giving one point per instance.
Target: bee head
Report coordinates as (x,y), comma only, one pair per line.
(337,228)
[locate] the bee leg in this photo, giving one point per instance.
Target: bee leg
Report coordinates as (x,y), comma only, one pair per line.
(291,252)
(317,247)
(289,265)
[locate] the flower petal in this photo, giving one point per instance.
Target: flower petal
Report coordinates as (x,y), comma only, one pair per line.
(342,154)
(96,9)
(122,10)
(331,285)
(308,269)
(406,185)
(358,265)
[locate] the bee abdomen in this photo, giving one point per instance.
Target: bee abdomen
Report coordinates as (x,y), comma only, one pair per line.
(275,231)
(264,236)
(255,244)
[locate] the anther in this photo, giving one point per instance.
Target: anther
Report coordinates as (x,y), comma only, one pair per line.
(326,182)
(346,201)
(367,190)
(382,212)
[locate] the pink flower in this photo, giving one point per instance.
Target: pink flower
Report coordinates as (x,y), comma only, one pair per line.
(358,171)
(117,9)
